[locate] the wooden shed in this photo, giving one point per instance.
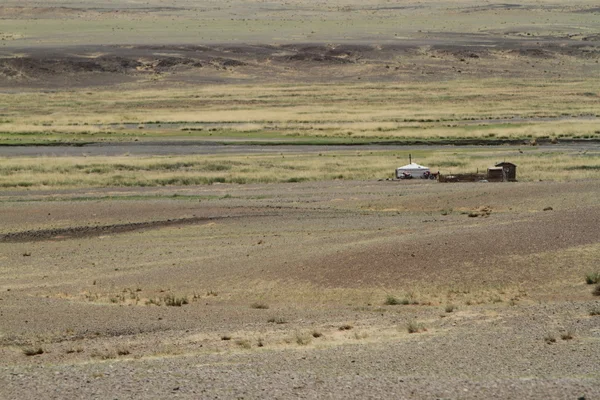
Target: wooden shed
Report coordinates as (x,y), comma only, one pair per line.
(510,169)
(496,174)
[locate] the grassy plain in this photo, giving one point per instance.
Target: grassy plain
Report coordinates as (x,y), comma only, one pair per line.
(485,110)
(547,164)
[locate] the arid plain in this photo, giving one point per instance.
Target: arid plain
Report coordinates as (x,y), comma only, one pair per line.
(195,200)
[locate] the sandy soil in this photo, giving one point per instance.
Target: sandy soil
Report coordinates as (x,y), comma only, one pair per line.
(295,277)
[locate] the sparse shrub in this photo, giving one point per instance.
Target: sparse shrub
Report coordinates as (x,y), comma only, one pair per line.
(596,291)
(260,342)
(225,337)
(75,350)
(316,334)
(303,339)
(450,308)
(568,335)
(172,301)
(277,320)
(103,356)
(260,306)
(243,343)
(393,301)
(346,327)
(153,302)
(592,278)
(415,327)
(33,351)
(595,311)
(549,338)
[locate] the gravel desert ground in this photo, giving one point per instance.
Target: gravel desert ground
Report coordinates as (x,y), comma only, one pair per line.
(196,200)
(288,286)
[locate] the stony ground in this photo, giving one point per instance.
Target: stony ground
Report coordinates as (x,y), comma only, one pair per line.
(286,288)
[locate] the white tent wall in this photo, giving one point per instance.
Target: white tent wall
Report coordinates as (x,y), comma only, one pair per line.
(416,170)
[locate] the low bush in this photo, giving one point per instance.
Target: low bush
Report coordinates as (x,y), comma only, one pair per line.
(592,278)
(33,351)
(415,327)
(172,301)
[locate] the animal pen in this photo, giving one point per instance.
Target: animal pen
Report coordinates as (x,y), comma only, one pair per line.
(501,172)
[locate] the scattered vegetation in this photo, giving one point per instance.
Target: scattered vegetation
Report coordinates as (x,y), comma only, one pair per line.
(74,350)
(392,301)
(409,299)
(243,343)
(171,300)
(592,278)
(415,327)
(225,337)
(277,320)
(549,338)
(345,327)
(260,306)
(107,355)
(33,351)
(450,308)
(123,352)
(595,311)
(568,335)
(596,291)
(303,339)
(317,334)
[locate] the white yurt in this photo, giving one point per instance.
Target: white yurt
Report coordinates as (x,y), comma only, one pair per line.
(416,170)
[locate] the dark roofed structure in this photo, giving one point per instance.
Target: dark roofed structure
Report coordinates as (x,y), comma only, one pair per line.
(510,169)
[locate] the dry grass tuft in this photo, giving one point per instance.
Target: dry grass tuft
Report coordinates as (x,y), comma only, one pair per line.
(415,327)
(568,335)
(592,278)
(173,301)
(549,339)
(303,339)
(33,351)
(244,343)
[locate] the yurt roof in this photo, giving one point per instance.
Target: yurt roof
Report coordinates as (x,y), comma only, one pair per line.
(413,166)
